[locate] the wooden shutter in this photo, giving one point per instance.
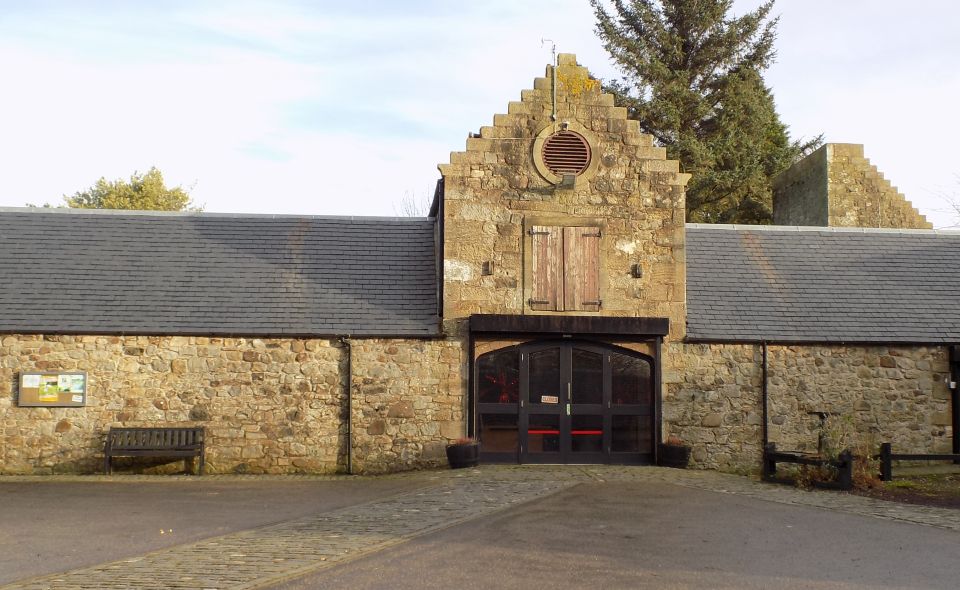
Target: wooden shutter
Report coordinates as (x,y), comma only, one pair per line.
(546,293)
(581,257)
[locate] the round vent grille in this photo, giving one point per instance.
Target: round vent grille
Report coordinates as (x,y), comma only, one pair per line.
(566,152)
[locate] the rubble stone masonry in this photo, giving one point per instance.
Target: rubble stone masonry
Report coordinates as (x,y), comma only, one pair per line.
(893,394)
(268,405)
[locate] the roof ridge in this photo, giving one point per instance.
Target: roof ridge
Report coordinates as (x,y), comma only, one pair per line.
(820,229)
(205,214)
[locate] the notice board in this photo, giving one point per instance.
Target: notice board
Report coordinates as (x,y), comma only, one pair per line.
(53,389)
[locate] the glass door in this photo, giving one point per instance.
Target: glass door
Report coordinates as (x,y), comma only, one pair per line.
(543,418)
(588,426)
(498,405)
(565,402)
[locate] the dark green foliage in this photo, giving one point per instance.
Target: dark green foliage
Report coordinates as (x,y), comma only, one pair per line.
(692,77)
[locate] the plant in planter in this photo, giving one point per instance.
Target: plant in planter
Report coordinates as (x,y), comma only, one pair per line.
(464,452)
(673,453)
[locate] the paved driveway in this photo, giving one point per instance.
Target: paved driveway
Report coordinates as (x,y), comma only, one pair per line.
(55,524)
(652,535)
(493,527)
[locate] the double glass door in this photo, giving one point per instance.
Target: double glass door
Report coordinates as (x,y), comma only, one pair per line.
(565,403)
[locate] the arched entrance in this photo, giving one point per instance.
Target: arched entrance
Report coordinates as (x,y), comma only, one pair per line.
(565,402)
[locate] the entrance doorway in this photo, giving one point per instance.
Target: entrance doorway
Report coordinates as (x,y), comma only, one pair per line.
(565,402)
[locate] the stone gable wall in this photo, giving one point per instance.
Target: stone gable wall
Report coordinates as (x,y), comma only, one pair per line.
(800,193)
(837,186)
(861,197)
(494,192)
(713,398)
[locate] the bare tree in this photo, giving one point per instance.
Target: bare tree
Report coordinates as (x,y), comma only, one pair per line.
(414,205)
(952,201)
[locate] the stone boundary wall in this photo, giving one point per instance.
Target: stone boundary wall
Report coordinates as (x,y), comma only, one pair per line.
(269,405)
(712,398)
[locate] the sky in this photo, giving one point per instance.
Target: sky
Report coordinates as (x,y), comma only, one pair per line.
(347,108)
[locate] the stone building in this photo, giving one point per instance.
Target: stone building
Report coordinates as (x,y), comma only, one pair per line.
(553,304)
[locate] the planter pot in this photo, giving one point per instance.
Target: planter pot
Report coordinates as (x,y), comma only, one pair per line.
(673,455)
(463,455)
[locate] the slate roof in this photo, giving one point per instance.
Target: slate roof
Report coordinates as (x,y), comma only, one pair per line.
(72,271)
(802,284)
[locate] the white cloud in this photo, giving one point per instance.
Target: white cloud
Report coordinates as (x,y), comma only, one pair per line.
(293,107)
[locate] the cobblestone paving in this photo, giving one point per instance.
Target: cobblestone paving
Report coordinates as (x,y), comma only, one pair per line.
(264,556)
(267,555)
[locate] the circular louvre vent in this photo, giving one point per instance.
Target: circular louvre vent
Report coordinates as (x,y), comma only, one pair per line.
(566,152)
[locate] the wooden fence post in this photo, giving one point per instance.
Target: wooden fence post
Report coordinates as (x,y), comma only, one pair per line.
(886,461)
(845,469)
(769,464)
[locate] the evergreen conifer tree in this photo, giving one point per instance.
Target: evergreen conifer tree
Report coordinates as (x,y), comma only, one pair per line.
(692,77)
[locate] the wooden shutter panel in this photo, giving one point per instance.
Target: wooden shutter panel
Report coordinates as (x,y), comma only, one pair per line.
(546,293)
(581,257)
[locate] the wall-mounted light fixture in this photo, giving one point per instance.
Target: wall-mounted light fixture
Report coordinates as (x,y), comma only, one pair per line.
(486,269)
(636,270)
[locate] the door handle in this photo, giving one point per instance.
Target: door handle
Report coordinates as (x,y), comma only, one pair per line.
(568,409)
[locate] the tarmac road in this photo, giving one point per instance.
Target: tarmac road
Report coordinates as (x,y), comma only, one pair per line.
(49,524)
(645,535)
(494,527)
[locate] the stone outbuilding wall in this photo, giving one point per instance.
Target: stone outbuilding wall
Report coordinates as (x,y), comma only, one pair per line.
(373,405)
(408,402)
(268,405)
(896,394)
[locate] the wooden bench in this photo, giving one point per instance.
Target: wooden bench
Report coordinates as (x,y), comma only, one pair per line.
(186,442)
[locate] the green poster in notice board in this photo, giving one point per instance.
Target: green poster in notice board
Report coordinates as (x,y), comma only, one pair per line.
(53,389)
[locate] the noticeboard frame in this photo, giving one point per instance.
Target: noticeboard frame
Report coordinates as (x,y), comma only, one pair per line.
(52,389)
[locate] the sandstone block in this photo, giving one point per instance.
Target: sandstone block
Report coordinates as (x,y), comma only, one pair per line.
(403,409)
(712,420)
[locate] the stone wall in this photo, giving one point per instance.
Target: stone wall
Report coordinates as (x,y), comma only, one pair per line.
(269,405)
(837,186)
(800,193)
(494,192)
(408,402)
(713,398)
